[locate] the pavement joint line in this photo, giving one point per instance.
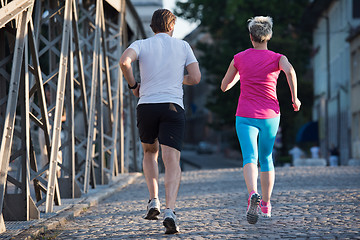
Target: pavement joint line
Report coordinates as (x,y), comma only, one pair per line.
(78,207)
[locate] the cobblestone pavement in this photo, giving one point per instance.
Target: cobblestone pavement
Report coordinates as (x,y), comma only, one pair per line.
(308,203)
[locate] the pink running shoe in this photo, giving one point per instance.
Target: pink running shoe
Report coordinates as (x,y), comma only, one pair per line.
(265,210)
(252,213)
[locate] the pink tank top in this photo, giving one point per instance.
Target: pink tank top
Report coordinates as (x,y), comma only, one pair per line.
(259,71)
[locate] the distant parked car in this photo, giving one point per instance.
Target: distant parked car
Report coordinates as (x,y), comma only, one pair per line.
(204,148)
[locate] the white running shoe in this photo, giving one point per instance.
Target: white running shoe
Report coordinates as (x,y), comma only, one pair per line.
(153,209)
(170,222)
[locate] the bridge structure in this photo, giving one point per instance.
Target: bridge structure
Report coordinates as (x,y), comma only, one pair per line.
(67,119)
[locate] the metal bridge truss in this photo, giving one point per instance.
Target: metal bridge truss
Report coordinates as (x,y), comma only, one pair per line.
(62,95)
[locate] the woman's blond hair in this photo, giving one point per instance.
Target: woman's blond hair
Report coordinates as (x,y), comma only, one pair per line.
(260,28)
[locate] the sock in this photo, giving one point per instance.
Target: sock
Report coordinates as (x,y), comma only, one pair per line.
(252,192)
(265,203)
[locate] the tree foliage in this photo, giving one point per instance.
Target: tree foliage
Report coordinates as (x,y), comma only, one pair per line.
(226,21)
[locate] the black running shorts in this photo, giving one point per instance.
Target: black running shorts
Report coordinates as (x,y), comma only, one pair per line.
(165,121)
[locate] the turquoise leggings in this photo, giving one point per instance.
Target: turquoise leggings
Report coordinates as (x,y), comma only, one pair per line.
(257,137)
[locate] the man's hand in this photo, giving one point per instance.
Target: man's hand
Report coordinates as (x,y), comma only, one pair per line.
(136,91)
(126,59)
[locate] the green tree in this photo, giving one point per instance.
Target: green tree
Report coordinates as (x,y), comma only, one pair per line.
(226,21)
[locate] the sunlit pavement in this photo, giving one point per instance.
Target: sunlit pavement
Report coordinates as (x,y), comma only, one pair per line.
(315,203)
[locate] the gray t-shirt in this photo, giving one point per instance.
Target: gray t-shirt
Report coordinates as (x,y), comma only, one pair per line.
(162,60)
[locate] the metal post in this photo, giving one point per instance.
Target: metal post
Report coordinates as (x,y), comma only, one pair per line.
(60,94)
(80,139)
(123,41)
(100,124)
(91,130)
(67,184)
(8,129)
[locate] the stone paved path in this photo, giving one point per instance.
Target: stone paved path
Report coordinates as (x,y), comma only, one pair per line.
(308,203)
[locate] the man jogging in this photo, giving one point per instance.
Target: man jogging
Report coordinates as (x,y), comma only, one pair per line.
(160,110)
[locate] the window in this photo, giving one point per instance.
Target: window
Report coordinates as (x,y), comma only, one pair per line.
(356,8)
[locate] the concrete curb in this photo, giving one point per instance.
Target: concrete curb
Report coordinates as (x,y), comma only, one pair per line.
(76,207)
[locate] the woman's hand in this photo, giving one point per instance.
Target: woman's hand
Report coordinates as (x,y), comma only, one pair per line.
(231,78)
(296,105)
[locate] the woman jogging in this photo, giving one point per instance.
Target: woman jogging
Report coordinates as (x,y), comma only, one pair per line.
(258,111)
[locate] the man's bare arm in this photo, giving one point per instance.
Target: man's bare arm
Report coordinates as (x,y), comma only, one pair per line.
(194,75)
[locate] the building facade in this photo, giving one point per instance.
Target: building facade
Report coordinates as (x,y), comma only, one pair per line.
(331,23)
(354,41)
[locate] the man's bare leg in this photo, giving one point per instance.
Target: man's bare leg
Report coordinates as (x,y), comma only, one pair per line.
(150,167)
(171,159)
